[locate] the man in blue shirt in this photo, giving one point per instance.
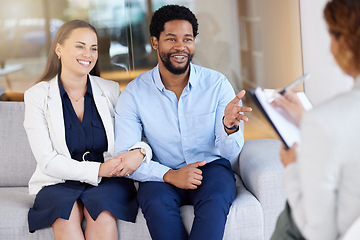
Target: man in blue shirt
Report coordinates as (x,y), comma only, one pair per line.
(190,116)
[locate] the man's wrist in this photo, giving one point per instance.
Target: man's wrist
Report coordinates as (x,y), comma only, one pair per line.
(142,152)
(167,176)
(234,127)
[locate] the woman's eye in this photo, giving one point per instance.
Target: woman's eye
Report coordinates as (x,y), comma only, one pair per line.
(80,47)
(94,49)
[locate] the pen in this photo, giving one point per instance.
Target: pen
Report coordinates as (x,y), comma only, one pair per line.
(296,82)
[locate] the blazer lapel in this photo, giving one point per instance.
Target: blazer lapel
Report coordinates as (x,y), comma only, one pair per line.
(102,105)
(56,116)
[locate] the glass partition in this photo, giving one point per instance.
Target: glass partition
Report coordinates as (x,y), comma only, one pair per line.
(253,42)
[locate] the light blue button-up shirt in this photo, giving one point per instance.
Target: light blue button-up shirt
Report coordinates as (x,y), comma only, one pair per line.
(180,131)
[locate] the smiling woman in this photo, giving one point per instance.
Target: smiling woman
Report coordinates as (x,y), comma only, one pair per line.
(69,123)
(78,54)
(69,41)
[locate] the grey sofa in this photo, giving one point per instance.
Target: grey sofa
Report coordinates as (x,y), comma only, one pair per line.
(260,196)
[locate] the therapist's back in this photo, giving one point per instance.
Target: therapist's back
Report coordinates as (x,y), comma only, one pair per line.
(322,181)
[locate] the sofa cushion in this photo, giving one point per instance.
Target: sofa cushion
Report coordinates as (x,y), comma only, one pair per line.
(16,159)
(14,206)
(245,220)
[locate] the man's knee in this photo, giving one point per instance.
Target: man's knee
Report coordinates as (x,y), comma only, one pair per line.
(218,190)
(157,196)
(216,201)
(217,195)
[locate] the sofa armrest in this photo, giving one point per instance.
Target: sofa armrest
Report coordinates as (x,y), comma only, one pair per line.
(261,171)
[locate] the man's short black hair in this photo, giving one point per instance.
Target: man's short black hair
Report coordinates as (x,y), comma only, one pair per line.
(168,13)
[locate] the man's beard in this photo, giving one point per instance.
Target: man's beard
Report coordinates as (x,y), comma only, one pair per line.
(165,58)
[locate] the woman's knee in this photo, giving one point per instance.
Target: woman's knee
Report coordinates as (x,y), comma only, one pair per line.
(75,218)
(66,229)
(104,220)
(104,227)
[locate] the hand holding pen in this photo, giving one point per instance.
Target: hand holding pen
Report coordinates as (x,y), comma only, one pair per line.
(289,101)
(291,105)
(295,83)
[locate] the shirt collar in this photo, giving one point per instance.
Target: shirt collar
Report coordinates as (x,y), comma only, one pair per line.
(193,79)
(156,75)
(64,93)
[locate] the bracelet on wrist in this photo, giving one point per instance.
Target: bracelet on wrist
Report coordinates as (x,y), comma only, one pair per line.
(231,128)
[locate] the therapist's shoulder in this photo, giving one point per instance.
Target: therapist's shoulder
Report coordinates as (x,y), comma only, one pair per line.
(341,110)
(339,105)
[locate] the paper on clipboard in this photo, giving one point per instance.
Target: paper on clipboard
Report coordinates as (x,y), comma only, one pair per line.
(288,131)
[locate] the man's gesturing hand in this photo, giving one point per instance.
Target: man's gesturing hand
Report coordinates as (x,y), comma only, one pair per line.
(187,177)
(232,111)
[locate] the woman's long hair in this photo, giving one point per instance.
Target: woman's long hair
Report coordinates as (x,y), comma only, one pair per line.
(53,65)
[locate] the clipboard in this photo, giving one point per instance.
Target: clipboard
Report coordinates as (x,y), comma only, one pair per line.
(288,132)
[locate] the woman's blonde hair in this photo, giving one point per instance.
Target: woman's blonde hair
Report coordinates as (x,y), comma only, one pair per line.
(53,64)
(343,19)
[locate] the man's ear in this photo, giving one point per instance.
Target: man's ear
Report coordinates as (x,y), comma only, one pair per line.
(154,43)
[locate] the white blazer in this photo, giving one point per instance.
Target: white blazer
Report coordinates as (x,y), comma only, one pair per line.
(323,186)
(44,125)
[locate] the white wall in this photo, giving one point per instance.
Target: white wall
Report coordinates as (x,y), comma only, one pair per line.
(217,43)
(252,42)
(327,79)
(281,42)
(270,42)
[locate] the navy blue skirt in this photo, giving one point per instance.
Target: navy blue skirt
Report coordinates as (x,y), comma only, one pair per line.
(116,195)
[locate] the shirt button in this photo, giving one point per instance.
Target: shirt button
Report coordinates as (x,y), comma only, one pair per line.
(184,138)
(188,158)
(180,115)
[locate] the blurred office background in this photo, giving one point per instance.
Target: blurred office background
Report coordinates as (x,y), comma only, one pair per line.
(253,42)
